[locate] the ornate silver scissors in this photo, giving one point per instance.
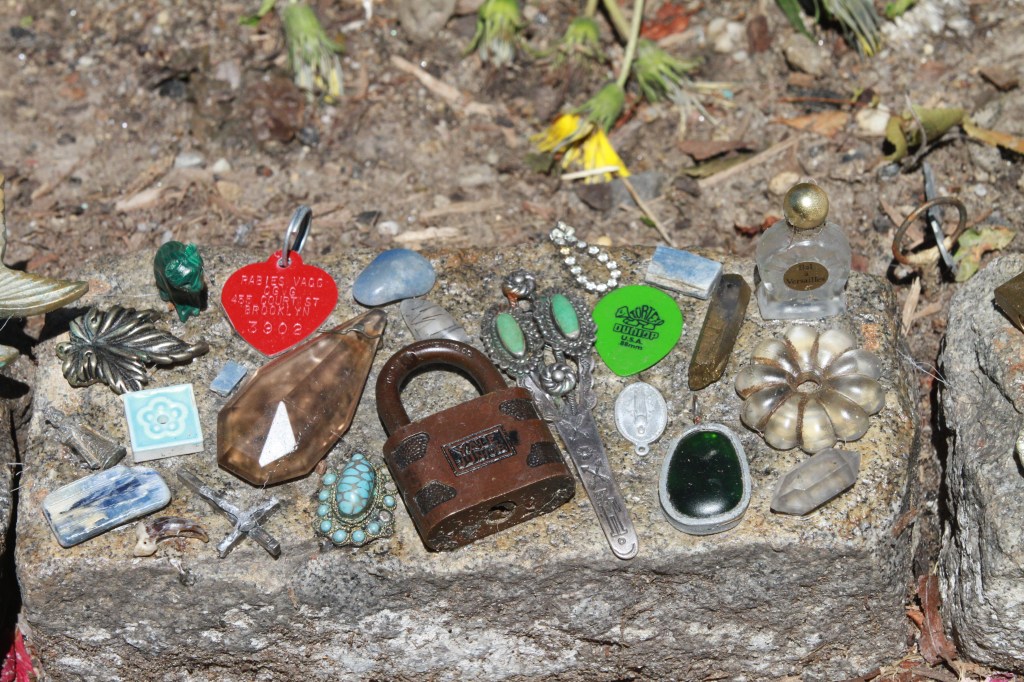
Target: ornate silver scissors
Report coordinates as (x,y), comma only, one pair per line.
(515,338)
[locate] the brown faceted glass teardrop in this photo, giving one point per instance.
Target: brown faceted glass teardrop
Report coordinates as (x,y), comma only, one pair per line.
(294,409)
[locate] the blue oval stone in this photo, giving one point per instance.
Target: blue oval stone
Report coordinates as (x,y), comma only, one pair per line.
(355,489)
(392,276)
(330,478)
(373,528)
(339,536)
(323,495)
(325,526)
(358,537)
(389,501)
(322,510)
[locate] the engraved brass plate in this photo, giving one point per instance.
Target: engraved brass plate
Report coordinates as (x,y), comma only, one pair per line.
(806,276)
(478,450)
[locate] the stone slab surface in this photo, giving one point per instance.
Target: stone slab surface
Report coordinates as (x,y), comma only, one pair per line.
(820,598)
(982,561)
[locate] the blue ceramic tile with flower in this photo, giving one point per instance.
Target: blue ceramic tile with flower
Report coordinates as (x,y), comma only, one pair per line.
(163,422)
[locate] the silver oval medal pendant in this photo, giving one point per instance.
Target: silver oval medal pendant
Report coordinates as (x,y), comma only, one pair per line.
(641,415)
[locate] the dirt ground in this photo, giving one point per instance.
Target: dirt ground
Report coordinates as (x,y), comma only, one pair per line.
(125,124)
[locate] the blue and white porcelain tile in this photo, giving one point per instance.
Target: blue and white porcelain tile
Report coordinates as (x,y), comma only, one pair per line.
(392,276)
(683,271)
(93,505)
(229,377)
(163,422)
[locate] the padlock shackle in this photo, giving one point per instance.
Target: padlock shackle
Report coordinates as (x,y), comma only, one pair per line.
(429,353)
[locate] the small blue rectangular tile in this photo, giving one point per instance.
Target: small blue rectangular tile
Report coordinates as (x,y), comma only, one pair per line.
(683,271)
(93,505)
(163,422)
(230,374)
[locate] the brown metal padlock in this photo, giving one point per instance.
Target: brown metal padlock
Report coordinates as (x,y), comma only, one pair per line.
(476,468)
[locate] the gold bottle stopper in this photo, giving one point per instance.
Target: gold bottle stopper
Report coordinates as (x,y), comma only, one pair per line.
(805,206)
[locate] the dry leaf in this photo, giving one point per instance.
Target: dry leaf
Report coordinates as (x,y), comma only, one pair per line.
(754,230)
(670,18)
(935,648)
(702,150)
(904,133)
(994,137)
(1001,77)
(826,123)
(144,199)
(973,244)
(709,168)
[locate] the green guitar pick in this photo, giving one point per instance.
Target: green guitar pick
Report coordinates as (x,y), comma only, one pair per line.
(636,327)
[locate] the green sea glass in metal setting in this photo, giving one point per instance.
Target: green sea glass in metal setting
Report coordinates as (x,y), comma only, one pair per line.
(705,480)
(510,334)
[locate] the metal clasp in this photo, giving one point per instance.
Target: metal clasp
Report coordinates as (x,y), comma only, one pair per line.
(299,226)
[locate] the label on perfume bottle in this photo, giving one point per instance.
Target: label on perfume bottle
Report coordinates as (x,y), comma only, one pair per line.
(805,276)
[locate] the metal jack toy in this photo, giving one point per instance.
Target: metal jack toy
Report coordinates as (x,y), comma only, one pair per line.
(516,339)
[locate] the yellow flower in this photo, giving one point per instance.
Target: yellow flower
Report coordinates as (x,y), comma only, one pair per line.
(582,145)
(313,56)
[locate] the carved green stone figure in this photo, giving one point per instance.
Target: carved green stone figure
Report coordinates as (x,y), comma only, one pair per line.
(179,276)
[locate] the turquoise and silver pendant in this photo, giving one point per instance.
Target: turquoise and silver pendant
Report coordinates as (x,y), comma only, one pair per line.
(705,480)
(356,506)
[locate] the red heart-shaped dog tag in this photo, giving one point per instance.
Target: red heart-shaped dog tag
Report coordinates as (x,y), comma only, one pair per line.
(274,306)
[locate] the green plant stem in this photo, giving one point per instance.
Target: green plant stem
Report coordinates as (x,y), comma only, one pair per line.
(591,9)
(634,38)
(617,18)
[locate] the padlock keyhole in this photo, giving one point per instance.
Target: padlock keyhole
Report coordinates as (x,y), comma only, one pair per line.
(500,513)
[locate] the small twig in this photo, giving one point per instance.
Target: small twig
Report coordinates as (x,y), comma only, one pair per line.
(916,158)
(818,100)
(588,172)
(647,211)
(449,93)
(747,164)
(45,189)
(463,207)
(910,305)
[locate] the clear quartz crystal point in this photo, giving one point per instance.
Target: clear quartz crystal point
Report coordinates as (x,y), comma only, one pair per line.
(815,481)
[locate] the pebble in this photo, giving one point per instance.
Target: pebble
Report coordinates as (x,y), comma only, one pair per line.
(804,55)
(727,37)
(231,191)
(189,160)
(221,166)
(781,183)
(872,122)
(477,175)
(388,228)
(422,19)
(230,72)
(392,276)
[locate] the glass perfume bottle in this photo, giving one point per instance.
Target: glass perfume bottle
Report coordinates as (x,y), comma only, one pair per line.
(803,261)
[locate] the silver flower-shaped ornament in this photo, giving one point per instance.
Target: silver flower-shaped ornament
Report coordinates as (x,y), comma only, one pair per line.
(809,390)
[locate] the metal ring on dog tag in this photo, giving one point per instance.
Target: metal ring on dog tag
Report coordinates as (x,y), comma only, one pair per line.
(641,415)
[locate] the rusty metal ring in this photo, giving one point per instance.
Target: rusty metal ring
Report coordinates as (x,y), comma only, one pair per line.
(897,251)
